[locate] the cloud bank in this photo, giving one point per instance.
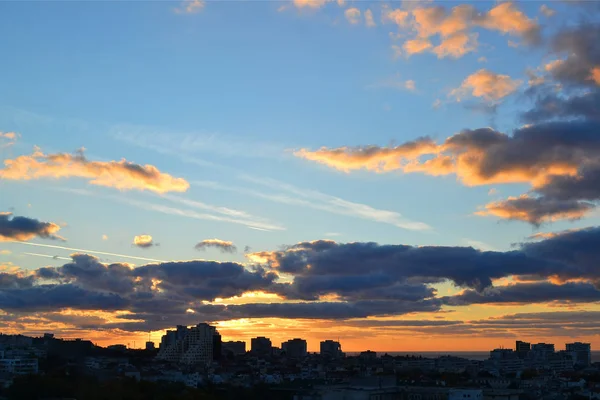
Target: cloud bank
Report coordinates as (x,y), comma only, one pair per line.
(122,175)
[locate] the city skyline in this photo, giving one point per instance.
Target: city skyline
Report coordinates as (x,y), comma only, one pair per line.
(398,176)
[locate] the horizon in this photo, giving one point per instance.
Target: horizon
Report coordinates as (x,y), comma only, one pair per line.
(403,174)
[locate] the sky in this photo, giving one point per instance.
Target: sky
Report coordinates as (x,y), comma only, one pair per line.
(401,176)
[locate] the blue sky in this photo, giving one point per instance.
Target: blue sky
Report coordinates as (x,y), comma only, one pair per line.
(222,97)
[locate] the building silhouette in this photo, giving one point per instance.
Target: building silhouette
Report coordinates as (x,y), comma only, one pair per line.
(235,348)
(261,346)
(294,348)
(581,353)
(331,348)
(522,349)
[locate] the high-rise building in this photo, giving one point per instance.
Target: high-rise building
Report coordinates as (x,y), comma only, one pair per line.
(331,348)
(522,349)
(581,353)
(217,346)
(294,348)
(261,346)
(192,346)
(542,351)
(235,348)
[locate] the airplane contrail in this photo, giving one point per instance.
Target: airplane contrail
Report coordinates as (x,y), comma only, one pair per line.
(87,251)
(47,256)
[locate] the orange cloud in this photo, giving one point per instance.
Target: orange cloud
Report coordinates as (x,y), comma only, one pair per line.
(595,75)
(371,157)
(415,46)
(8,138)
(310,3)
(454,27)
(466,154)
(352,15)
(397,16)
(550,235)
(508,19)
(488,85)
(435,20)
(536,210)
(123,175)
(456,45)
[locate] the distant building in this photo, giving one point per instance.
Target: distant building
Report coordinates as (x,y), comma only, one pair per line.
(561,361)
(502,354)
(150,346)
(217,346)
(117,347)
(331,348)
(190,346)
(542,351)
(368,355)
(294,348)
(236,348)
(261,346)
(19,366)
(581,353)
(522,349)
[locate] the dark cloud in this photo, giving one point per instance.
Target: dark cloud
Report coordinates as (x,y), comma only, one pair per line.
(539,292)
(23,228)
(580,46)
(55,297)
(583,186)
(366,279)
(551,106)
(537,210)
(324,265)
(15,281)
(222,245)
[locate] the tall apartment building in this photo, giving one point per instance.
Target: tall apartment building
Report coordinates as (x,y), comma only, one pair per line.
(581,353)
(236,348)
(522,349)
(331,348)
(261,346)
(295,348)
(192,346)
(542,351)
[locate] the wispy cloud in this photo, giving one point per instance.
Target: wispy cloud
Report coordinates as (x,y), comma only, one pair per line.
(254,224)
(292,195)
(227,214)
(394,83)
(190,143)
(288,194)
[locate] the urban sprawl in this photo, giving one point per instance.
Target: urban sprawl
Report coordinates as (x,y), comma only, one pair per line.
(196,357)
